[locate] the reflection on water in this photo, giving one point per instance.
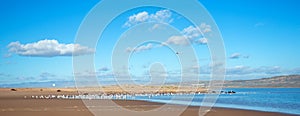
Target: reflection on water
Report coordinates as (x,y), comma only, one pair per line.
(284,100)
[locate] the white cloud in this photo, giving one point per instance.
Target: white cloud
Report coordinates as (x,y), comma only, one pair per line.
(162,16)
(202,41)
(137,18)
(48,48)
(178,40)
(243,70)
(165,16)
(239,70)
(269,70)
(191,34)
(155,27)
(235,56)
(46,75)
(103,69)
(238,55)
(205,28)
(140,48)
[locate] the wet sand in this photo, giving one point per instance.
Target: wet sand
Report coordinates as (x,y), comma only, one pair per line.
(13,103)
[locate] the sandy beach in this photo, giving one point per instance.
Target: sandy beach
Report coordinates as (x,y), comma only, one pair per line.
(14,103)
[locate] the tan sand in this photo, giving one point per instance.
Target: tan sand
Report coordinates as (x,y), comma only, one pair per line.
(126,89)
(13,103)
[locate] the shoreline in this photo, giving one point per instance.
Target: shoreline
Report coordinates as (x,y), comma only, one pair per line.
(13,103)
(261,87)
(216,108)
(32,107)
(231,108)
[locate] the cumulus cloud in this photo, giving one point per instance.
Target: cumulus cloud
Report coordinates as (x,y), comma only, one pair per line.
(195,32)
(191,34)
(178,40)
(162,16)
(137,18)
(140,48)
(202,41)
(48,48)
(205,28)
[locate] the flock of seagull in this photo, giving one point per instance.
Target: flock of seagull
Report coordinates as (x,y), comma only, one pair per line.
(104,96)
(118,96)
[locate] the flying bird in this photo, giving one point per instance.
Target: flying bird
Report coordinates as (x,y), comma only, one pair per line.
(178,52)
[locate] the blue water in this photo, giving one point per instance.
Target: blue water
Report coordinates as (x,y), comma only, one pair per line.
(283,100)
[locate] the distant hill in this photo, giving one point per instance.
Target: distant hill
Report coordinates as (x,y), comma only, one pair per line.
(289,81)
(278,81)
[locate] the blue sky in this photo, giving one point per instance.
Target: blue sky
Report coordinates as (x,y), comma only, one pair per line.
(261,39)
